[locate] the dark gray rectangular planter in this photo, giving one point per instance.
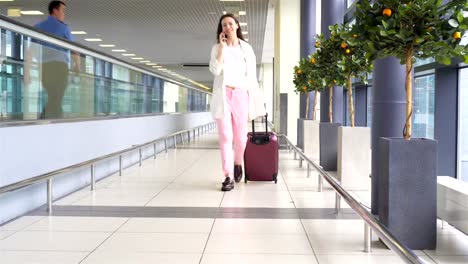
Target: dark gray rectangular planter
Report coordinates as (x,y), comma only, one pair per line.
(408,190)
(329,146)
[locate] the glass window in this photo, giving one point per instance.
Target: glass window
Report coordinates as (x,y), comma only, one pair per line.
(423,118)
(463,125)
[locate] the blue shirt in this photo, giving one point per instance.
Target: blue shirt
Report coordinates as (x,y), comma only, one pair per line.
(52,52)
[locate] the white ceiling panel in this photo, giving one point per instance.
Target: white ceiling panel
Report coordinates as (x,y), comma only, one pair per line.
(167,32)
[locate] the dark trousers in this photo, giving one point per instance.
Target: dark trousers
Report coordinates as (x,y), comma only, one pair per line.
(54,81)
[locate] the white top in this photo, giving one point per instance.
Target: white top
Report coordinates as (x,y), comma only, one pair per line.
(218,106)
(235,68)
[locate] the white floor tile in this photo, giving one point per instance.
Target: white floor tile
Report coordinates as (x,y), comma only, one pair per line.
(257,259)
(250,198)
(127,257)
(258,244)
(187,198)
(80,224)
(156,242)
(342,244)
(311,199)
(53,241)
(354,228)
(21,223)
(258,226)
(362,259)
(167,225)
(451,259)
(41,257)
(113,199)
(450,245)
(4,234)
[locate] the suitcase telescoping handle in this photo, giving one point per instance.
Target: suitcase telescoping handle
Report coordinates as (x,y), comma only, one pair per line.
(256,138)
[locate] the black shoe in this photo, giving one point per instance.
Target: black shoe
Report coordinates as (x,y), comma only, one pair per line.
(237,173)
(228,185)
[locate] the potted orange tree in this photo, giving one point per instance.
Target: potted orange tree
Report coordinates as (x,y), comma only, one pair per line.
(305,81)
(353,142)
(327,56)
(409,30)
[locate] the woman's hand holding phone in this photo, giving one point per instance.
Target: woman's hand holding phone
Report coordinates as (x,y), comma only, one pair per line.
(223,39)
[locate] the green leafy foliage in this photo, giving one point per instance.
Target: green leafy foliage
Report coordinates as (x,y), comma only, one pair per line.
(327,56)
(427,28)
(352,57)
(306,77)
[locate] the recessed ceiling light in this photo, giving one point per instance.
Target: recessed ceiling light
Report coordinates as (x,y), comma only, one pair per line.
(119,50)
(242,13)
(78,32)
(224,12)
(93,39)
(246,39)
(32,13)
(128,54)
(151,64)
(14,12)
(107,45)
(7,0)
(157,66)
(144,61)
(137,58)
(245,32)
(243,24)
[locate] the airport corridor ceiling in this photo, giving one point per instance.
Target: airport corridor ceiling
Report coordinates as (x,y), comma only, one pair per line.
(171,33)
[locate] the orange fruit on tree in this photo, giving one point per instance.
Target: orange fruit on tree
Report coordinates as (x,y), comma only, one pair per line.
(305,88)
(299,71)
(355,35)
(312,60)
(457,35)
(344,45)
(348,51)
(317,44)
(387,12)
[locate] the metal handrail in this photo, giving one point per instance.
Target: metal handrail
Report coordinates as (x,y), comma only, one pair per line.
(405,253)
(50,175)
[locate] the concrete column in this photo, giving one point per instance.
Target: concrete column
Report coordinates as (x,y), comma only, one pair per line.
(332,13)
(446,120)
(287,46)
(388,112)
(308,32)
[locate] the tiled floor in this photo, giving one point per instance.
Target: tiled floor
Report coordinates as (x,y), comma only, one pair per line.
(171,211)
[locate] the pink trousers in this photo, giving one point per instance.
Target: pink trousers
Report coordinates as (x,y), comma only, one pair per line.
(233,128)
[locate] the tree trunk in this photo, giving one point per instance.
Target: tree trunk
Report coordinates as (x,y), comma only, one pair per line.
(307,106)
(407,131)
(330,107)
(314,117)
(351,102)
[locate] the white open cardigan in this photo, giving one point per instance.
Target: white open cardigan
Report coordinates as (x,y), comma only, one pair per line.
(218,106)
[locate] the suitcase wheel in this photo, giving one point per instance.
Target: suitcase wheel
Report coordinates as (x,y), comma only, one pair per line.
(275,178)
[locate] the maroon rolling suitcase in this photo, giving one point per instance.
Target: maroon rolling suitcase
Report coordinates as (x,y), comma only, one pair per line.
(261,155)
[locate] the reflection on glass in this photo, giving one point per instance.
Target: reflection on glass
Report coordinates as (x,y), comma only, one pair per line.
(423,118)
(420,62)
(38,82)
(350,2)
(463,125)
